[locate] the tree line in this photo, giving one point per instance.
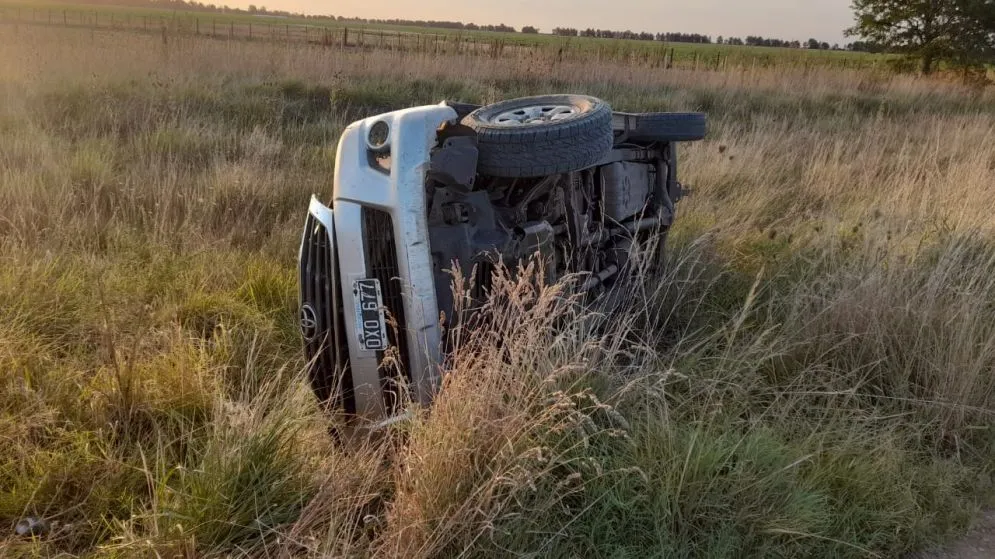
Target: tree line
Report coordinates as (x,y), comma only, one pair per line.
(695,38)
(633,35)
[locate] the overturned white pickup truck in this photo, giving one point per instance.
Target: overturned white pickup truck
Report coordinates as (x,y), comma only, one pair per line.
(420,189)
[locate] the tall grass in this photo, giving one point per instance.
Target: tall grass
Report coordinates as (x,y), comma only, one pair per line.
(812,376)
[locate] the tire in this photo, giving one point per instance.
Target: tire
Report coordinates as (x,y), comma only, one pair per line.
(669,127)
(539,147)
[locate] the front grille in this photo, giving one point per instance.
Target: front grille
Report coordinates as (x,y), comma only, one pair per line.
(381,263)
(322,319)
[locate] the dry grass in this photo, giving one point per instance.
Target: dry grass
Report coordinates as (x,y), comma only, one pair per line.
(812,378)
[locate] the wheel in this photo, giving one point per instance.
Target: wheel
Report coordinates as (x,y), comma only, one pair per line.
(539,136)
(669,127)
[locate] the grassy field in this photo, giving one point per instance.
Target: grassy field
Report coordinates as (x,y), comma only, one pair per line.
(327,30)
(812,378)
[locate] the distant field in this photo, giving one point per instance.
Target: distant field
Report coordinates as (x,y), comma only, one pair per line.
(329,31)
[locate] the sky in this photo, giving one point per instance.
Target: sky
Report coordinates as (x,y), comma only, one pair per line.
(784,19)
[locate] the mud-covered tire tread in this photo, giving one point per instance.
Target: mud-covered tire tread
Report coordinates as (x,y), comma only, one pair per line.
(669,127)
(546,149)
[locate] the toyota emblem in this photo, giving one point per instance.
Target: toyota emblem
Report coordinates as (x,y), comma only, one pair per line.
(309,323)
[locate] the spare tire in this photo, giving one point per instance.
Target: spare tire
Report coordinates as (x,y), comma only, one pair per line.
(669,127)
(539,136)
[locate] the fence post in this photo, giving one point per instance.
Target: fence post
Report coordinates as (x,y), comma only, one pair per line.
(250,31)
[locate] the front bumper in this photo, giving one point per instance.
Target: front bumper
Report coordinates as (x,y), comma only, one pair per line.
(376,228)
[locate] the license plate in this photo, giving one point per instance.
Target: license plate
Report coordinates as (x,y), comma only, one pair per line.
(370,322)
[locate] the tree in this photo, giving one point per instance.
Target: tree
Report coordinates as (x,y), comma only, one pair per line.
(529,29)
(973,46)
(957,31)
